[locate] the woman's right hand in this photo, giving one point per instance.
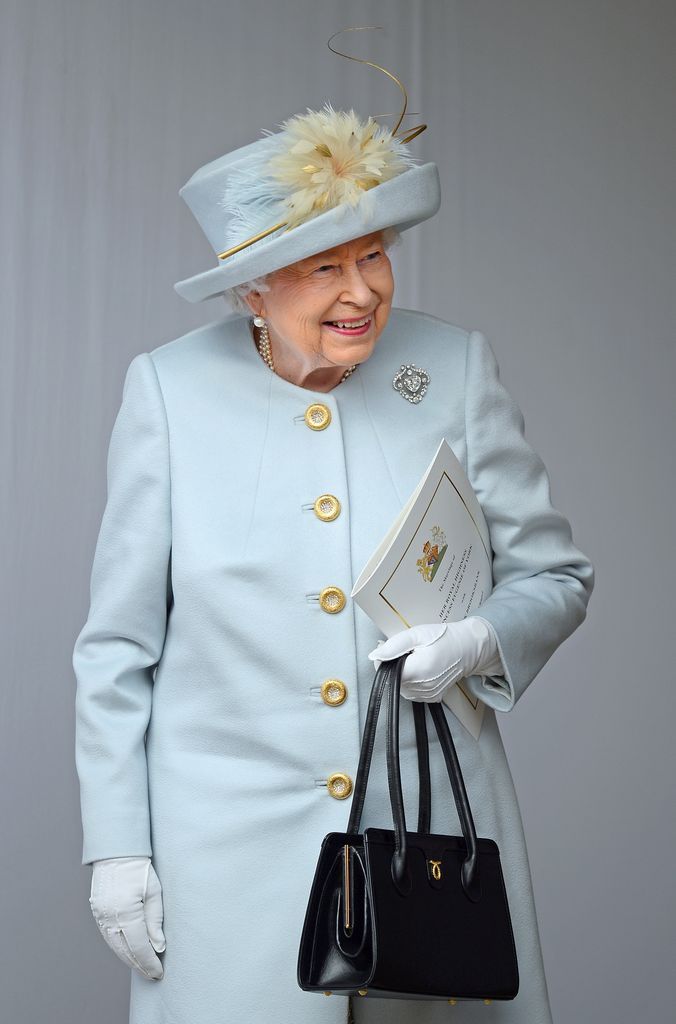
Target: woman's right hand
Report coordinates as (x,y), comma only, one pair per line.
(126,901)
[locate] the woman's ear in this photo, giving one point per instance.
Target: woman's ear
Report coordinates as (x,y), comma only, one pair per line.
(254,301)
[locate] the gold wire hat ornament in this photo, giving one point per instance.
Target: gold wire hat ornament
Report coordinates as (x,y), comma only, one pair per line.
(363,28)
(374,160)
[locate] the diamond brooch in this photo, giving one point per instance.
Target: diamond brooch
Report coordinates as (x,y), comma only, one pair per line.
(411,382)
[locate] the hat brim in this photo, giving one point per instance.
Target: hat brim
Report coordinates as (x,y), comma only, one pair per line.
(411,197)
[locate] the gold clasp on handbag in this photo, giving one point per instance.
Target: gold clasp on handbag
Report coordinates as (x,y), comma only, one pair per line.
(347,922)
(436,869)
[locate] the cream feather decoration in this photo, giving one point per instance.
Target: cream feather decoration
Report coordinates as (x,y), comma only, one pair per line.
(320,160)
(332,157)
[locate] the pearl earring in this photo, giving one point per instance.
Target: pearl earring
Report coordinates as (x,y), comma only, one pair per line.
(259,321)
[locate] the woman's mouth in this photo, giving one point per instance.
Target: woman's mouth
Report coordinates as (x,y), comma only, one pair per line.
(351,327)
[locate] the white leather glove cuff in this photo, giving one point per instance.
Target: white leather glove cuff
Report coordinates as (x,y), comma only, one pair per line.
(489,662)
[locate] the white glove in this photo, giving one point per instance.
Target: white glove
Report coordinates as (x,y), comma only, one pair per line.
(126,901)
(442,653)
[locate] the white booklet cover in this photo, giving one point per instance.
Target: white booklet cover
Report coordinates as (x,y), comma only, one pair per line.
(434,564)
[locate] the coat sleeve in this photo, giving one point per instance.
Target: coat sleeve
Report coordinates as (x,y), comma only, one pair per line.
(542,581)
(122,639)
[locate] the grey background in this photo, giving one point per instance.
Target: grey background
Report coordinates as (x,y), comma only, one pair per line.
(553,127)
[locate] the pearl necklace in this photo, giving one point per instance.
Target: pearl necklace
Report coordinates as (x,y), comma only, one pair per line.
(266,354)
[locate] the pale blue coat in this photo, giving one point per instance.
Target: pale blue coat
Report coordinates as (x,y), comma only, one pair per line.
(209,564)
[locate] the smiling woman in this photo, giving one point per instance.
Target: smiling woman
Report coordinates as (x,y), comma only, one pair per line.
(223,672)
(325,313)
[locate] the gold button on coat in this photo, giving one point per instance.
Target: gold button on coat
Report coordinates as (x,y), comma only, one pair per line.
(334,691)
(317,416)
(339,785)
(332,599)
(327,507)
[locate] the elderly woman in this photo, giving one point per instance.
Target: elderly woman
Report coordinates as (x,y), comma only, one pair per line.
(223,671)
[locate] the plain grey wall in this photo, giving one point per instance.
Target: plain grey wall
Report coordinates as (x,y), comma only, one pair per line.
(553,125)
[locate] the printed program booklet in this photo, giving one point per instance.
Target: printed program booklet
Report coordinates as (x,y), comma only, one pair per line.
(433,565)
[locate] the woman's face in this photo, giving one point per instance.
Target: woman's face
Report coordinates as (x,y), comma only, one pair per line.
(310,303)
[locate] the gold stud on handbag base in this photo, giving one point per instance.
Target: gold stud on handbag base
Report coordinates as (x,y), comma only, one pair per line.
(453,1002)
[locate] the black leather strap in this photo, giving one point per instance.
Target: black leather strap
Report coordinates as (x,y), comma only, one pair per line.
(424,786)
(470,866)
(399,874)
(366,753)
(388,676)
(368,738)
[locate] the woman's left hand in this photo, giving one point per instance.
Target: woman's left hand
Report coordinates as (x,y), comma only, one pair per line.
(441,654)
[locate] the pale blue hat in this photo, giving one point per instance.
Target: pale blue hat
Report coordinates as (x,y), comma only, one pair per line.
(280,199)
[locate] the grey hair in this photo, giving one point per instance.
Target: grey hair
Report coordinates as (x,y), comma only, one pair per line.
(234,297)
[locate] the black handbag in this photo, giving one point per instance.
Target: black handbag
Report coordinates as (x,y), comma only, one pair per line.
(408,915)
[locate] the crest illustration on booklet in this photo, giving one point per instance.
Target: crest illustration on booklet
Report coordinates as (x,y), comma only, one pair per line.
(434,564)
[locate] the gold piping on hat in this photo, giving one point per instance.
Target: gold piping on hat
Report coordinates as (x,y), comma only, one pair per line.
(250,241)
(411,134)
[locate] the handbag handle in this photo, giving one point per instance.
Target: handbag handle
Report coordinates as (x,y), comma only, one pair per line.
(390,672)
(366,752)
(469,873)
(424,785)
(368,739)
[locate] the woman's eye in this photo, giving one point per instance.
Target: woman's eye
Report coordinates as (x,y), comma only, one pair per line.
(326,266)
(372,255)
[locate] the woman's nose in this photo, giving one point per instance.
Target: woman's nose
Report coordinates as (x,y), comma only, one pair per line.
(355,288)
